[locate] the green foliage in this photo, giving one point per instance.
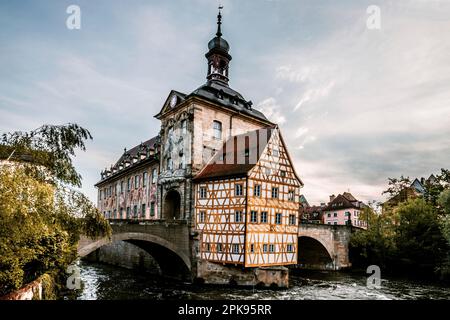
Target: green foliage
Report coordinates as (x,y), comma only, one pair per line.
(411,238)
(51,147)
(396,185)
(444,201)
(41,218)
(418,237)
(376,245)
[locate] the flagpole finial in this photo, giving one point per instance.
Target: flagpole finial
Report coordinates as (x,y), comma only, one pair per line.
(219,22)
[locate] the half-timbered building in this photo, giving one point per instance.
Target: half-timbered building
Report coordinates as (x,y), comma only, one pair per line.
(221,167)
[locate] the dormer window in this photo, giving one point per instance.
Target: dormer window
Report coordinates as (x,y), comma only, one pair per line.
(217,129)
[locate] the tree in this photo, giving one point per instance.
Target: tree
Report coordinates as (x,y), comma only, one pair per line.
(444,201)
(48,147)
(418,237)
(41,216)
(397,185)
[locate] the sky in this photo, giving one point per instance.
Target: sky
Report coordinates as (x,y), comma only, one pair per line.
(355,104)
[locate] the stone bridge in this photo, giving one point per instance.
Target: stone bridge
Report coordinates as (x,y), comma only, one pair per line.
(170,244)
(323,246)
(167,242)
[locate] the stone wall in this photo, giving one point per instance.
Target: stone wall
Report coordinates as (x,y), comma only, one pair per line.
(221,274)
(126,255)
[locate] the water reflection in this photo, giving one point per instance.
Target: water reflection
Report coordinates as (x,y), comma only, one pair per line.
(109,282)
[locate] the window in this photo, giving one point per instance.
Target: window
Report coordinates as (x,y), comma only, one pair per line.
(110,191)
(152,209)
(108,214)
(292,219)
(264,248)
(278,218)
(201,218)
(121,186)
(291,195)
(235,248)
(254,216)
(275,152)
(347,213)
(207,247)
(128,213)
(268,172)
(290,248)
(274,192)
(136,182)
(329,215)
(238,190)
(143,211)
(264,217)
(335,214)
(169,164)
(217,129)
(335,223)
(144,179)
(283,173)
(329,222)
(271,248)
(238,216)
(183,127)
(252,248)
(219,247)
(257,190)
(154,175)
(347,222)
(115,214)
(202,193)
(135,211)
(129,184)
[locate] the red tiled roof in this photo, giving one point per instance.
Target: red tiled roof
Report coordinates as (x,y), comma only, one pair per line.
(244,148)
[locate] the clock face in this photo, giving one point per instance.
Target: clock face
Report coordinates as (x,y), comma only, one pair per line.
(173,101)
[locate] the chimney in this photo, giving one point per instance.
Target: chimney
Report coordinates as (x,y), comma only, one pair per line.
(332,197)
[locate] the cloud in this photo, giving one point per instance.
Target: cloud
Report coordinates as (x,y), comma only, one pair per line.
(272,110)
(355,105)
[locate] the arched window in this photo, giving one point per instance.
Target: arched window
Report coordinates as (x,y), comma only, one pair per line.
(217,129)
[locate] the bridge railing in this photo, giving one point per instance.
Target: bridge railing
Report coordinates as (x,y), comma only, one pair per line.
(148,221)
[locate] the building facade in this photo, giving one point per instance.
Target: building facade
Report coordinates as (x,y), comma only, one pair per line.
(344,209)
(218,165)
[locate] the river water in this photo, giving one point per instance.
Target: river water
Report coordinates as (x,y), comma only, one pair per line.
(101,281)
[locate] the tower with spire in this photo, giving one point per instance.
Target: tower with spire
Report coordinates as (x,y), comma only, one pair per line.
(239,213)
(218,56)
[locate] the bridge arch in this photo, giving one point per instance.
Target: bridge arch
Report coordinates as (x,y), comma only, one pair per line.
(172,261)
(322,241)
(314,253)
